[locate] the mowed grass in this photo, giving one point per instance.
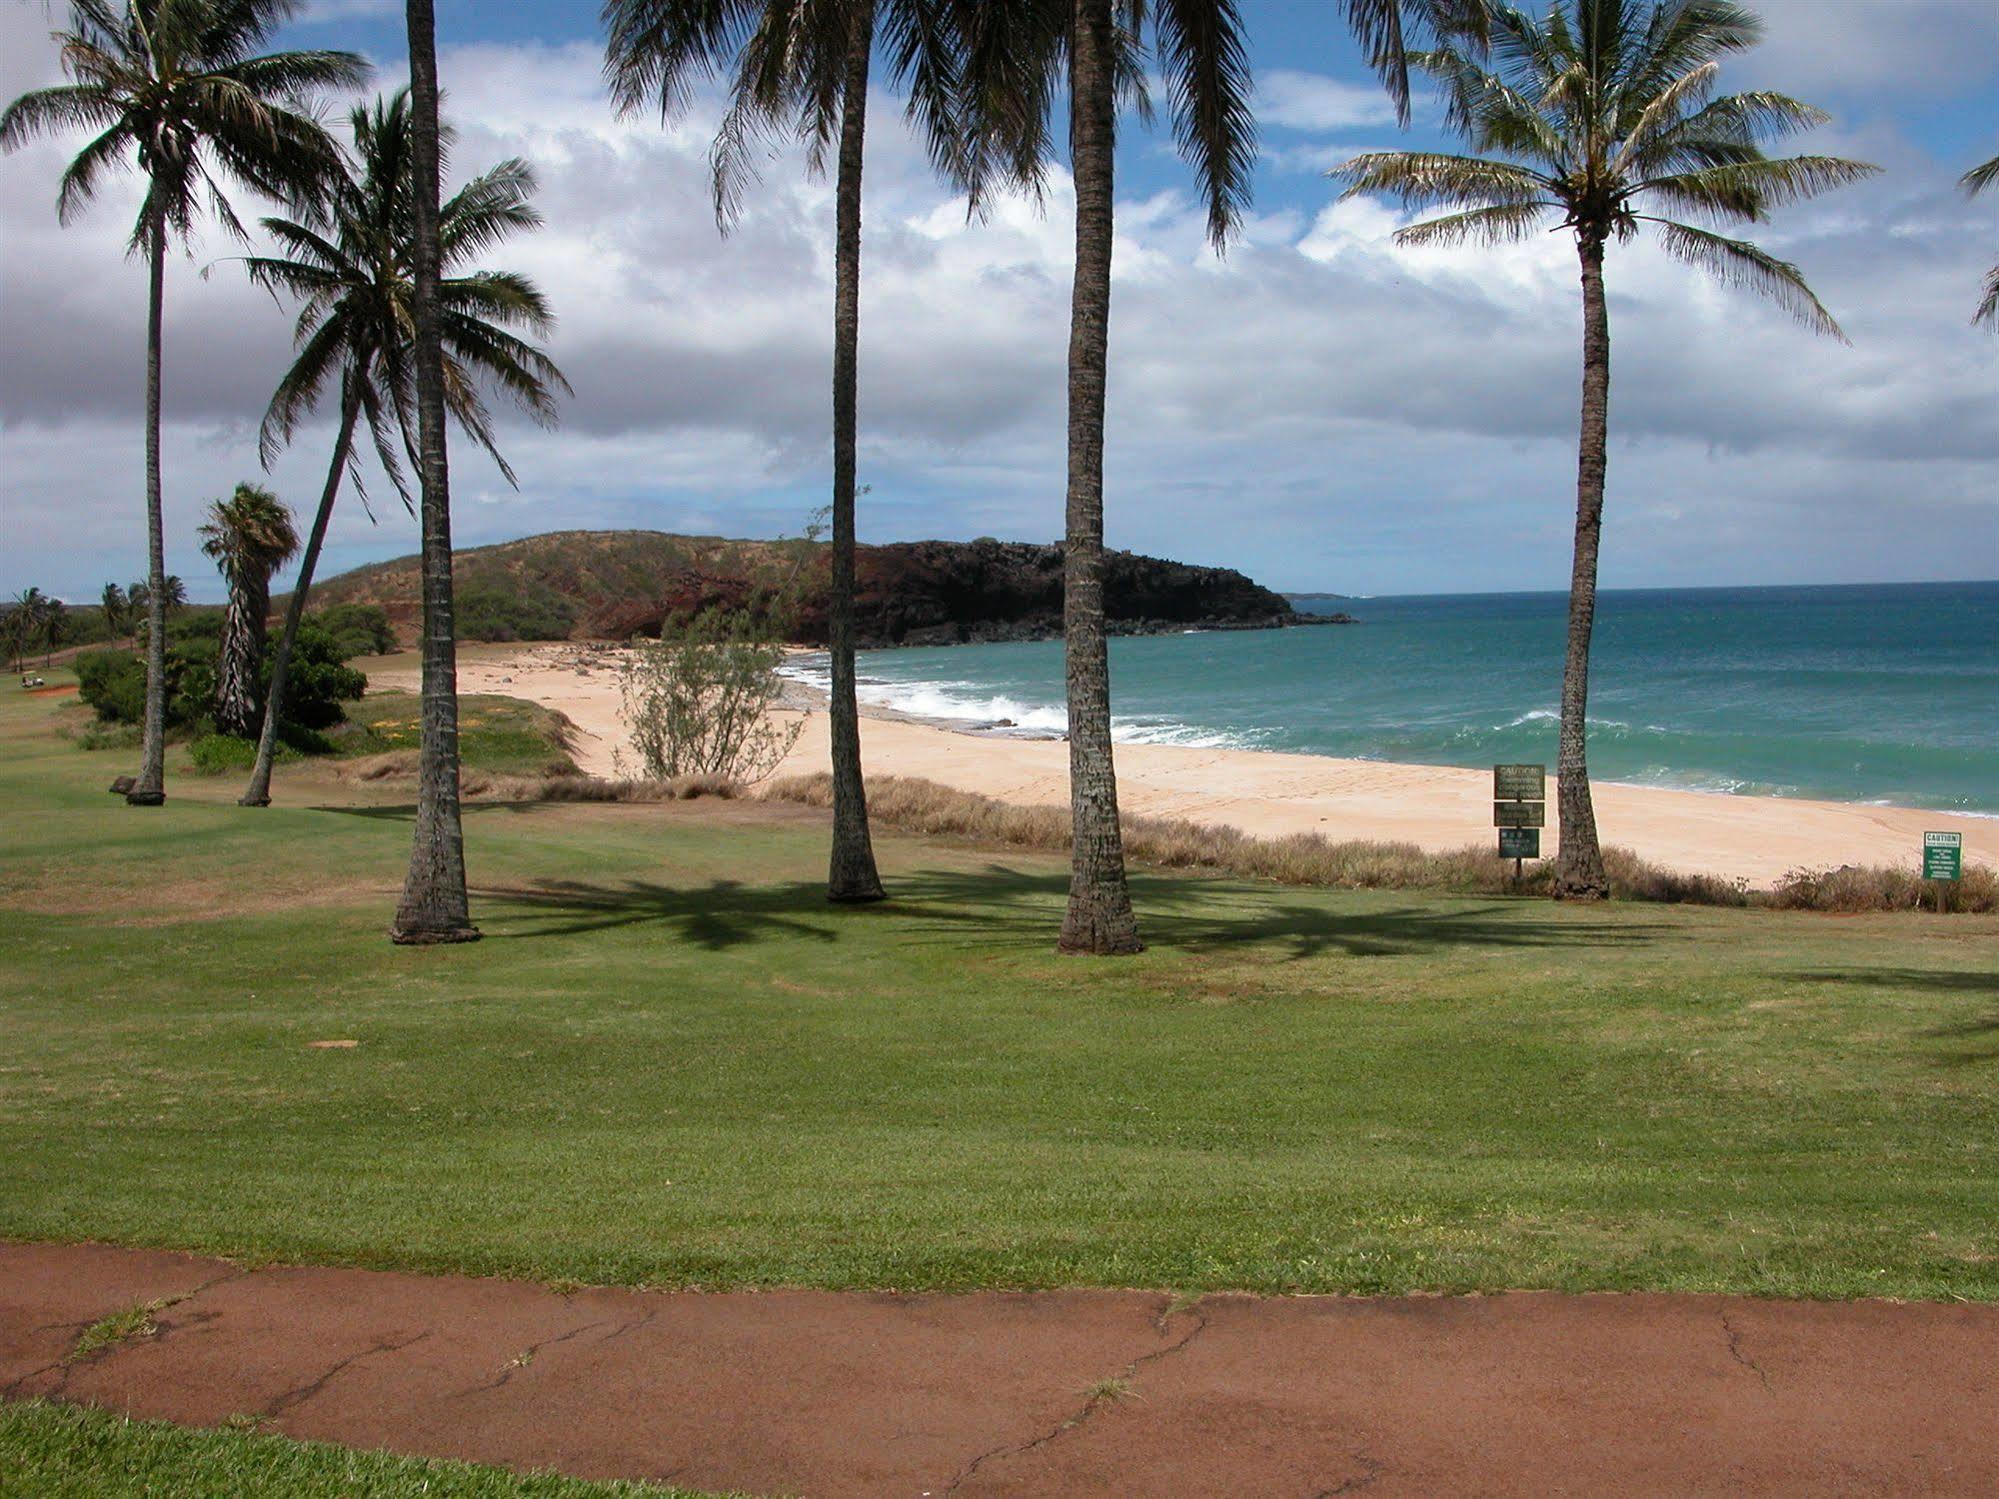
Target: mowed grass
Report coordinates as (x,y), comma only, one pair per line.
(71,1452)
(671,1063)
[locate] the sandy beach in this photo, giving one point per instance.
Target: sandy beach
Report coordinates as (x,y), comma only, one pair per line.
(1437,807)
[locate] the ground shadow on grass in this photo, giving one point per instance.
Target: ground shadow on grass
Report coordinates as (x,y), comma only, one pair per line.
(1939,981)
(1000,906)
(715,916)
(406,811)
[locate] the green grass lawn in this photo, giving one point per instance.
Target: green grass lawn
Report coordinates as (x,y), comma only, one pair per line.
(672,1063)
(67,1452)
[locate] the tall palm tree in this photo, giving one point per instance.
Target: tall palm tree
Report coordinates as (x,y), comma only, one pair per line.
(250,535)
(1975,182)
(1601,111)
(55,628)
(434,907)
(1016,59)
(804,70)
(181,86)
(348,264)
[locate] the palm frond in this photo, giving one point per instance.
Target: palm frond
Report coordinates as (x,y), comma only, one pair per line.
(1737,263)
(1205,57)
(1501,224)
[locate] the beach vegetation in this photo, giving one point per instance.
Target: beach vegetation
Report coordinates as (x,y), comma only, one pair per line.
(181,87)
(348,261)
(1603,115)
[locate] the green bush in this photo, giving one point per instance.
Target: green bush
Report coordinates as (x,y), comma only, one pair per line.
(114,683)
(217,754)
(321,680)
(488,613)
(356,629)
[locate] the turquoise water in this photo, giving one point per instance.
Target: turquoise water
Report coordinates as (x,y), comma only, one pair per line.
(1868,693)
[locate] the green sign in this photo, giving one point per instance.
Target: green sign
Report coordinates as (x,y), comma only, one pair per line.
(1519,843)
(1520,814)
(1520,783)
(1943,856)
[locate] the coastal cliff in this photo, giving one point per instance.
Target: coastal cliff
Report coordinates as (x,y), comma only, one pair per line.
(619,584)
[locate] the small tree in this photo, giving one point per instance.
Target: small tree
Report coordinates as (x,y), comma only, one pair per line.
(698,700)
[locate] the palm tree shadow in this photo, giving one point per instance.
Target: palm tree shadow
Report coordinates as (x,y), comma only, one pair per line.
(1002,906)
(1938,981)
(716,916)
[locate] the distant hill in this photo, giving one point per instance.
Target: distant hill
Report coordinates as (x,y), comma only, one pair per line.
(617,584)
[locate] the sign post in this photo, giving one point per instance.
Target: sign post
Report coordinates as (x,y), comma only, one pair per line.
(1519,811)
(1943,861)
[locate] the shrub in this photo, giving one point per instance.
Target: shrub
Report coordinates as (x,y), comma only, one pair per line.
(698,701)
(355,629)
(483,612)
(215,754)
(320,681)
(114,683)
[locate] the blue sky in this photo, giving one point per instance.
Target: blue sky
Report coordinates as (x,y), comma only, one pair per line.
(1320,409)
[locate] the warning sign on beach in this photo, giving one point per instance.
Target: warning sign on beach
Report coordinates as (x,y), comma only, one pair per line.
(1519,843)
(1520,814)
(1943,856)
(1519,783)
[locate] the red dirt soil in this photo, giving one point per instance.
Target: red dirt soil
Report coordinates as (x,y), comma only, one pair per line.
(1055,1393)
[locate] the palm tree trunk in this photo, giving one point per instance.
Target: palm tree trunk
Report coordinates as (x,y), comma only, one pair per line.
(258,793)
(852,876)
(1579,871)
(1099,918)
(434,906)
(151,788)
(236,664)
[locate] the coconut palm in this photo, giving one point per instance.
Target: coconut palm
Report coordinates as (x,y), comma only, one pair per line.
(172,593)
(1017,57)
(1603,113)
(803,71)
(250,535)
(348,264)
(434,907)
(1975,182)
(180,86)
(116,607)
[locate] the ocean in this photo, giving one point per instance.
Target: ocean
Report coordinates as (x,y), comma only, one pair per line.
(1868,693)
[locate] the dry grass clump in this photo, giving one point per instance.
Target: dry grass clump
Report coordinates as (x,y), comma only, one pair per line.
(558,781)
(1877,888)
(917,806)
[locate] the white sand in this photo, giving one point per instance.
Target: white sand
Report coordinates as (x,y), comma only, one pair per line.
(1438,807)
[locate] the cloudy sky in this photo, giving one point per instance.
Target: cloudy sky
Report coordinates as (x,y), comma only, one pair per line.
(1320,408)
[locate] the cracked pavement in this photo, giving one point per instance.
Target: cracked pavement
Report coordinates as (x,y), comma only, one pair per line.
(1028,1394)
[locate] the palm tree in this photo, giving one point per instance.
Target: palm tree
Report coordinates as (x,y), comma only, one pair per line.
(1975,182)
(349,266)
(1015,58)
(116,608)
(1598,112)
(434,907)
(181,86)
(803,70)
(250,535)
(172,592)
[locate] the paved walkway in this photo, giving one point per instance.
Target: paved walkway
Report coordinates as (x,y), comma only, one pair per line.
(1061,1393)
